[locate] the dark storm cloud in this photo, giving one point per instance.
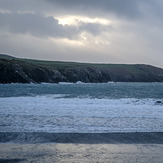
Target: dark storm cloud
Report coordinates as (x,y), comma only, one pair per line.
(128,8)
(24,5)
(34,24)
(120,8)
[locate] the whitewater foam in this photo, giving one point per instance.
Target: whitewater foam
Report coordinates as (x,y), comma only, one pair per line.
(59,113)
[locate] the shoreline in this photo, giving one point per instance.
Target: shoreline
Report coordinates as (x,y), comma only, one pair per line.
(82,138)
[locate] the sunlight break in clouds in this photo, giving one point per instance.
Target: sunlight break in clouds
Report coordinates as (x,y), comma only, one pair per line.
(85,38)
(76,19)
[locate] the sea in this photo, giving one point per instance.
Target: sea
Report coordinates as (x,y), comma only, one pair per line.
(81,108)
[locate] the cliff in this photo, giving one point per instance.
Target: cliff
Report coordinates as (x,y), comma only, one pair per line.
(16,70)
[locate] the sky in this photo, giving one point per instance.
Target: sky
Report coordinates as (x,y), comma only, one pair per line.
(96,31)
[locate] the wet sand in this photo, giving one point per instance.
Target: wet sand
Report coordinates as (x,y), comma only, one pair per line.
(81,147)
(82,138)
(112,153)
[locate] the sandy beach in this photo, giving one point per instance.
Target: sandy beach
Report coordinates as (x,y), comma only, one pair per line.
(112,153)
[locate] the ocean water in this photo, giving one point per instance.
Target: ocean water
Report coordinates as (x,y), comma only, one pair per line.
(81,108)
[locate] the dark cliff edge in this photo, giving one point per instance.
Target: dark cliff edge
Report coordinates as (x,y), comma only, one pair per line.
(16,70)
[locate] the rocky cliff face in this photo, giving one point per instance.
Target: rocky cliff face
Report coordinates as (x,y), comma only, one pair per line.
(17,71)
(13,71)
(86,74)
(137,73)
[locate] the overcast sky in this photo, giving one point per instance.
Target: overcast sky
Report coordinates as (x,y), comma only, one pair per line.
(101,31)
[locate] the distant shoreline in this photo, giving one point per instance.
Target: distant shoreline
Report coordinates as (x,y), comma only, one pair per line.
(18,70)
(67,83)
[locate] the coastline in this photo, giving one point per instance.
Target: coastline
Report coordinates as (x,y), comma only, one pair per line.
(82,138)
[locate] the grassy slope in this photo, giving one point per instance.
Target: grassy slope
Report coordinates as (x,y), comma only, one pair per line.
(5,56)
(62,65)
(116,68)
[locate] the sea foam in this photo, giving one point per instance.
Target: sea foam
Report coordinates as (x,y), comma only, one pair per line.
(60,113)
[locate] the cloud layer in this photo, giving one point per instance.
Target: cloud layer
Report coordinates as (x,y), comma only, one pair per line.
(81,30)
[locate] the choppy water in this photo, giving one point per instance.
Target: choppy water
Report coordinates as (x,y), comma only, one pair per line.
(81,108)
